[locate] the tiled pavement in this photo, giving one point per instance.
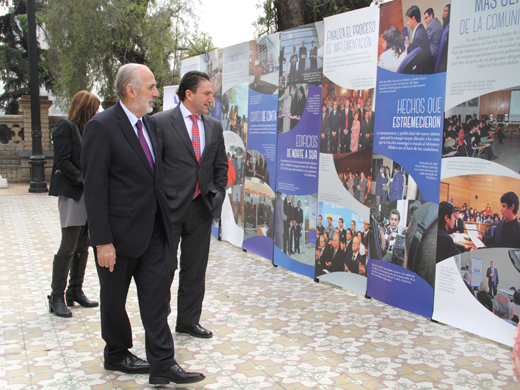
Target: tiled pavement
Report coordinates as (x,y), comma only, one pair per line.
(273,329)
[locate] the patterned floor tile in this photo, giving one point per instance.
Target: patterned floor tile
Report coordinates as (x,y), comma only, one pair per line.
(272,329)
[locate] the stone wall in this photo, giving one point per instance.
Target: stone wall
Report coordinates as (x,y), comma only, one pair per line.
(16,141)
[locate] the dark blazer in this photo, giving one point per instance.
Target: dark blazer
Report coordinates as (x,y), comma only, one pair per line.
(66,177)
(424,62)
(181,168)
(122,193)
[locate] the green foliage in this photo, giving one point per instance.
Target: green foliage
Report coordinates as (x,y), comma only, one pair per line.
(91,39)
(315,10)
(199,45)
(14,56)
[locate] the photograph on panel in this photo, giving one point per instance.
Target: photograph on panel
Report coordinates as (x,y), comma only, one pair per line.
(234,111)
(485,127)
(391,182)
(342,238)
(405,234)
(295,226)
(236,197)
(256,166)
(413,36)
(477,211)
(263,65)
(258,209)
(347,119)
(492,277)
(291,105)
(301,56)
(212,64)
(237,159)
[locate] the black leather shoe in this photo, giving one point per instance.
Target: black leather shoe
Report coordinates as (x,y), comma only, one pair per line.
(129,365)
(176,374)
(195,330)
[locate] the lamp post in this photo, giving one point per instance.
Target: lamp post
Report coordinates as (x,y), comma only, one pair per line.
(37,159)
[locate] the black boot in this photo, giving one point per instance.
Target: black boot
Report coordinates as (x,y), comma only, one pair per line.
(77,274)
(60,269)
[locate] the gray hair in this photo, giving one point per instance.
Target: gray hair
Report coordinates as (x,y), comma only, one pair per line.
(128,74)
(466,276)
(502,307)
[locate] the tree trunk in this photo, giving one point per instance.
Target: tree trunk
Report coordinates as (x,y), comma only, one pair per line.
(291,13)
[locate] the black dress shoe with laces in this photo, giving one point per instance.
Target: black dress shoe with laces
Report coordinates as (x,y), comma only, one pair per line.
(176,374)
(129,365)
(195,330)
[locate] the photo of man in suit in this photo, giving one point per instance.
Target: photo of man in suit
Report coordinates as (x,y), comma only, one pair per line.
(492,275)
(195,177)
(418,36)
(129,226)
(434,30)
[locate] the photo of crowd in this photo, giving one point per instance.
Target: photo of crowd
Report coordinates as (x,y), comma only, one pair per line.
(355,174)
(263,64)
(294,225)
(342,240)
(259,207)
(417,45)
(347,119)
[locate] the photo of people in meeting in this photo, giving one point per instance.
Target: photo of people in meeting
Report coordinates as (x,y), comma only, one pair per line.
(347,119)
(487,127)
(291,105)
(258,209)
(477,211)
(295,224)
(406,235)
(234,111)
(264,64)
(256,166)
(417,43)
(342,238)
(492,278)
(301,56)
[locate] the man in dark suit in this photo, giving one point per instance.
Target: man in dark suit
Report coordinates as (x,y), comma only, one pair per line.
(335,127)
(492,275)
(367,130)
(324,132)
(458,227)
(434,30)
(302,54)
(298,219)
(195,171)
(128,223)
(314,57)
(423,64)
(347,126)
(467,282)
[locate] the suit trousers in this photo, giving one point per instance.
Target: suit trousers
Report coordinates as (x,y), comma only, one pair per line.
(195,230)
(148,271)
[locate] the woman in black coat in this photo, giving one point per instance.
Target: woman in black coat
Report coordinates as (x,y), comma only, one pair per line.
(67,185)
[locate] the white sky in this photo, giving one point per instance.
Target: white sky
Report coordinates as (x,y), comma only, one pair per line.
(228,22)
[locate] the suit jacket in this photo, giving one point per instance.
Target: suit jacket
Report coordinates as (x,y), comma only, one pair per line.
(434,32)
(324,140)
(181,170)
(488,275)
(66,177)
(424,62)
(122,194)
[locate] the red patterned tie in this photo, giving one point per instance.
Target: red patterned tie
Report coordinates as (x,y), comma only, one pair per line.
(195,139)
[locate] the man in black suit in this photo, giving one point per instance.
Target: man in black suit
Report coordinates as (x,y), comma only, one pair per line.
(423,64)
(324,130)
(335,127)
(458,226)
(493,280)
(302,54)
(367,130)
(314,57)
(128,223)
(195,171)
(298,220)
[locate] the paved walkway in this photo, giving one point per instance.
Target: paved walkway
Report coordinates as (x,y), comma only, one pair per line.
(273,329)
